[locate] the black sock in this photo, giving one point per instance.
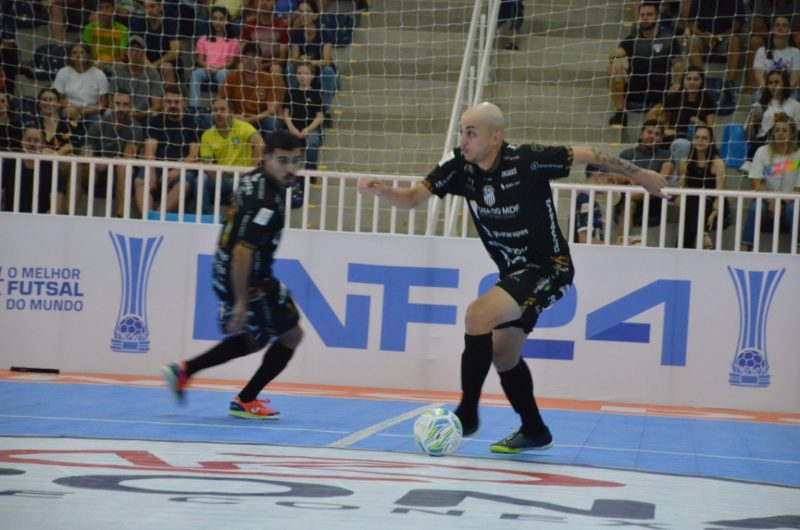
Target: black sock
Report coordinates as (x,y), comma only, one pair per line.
(228,349)
(275,360)
(517,384)
(475,363)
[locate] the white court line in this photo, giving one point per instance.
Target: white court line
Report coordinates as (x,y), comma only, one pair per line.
(625,450)
(251,424)
(372,429)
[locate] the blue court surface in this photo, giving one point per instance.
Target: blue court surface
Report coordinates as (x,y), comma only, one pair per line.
(86,455)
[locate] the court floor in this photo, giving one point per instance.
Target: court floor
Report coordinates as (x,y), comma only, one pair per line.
(87,451)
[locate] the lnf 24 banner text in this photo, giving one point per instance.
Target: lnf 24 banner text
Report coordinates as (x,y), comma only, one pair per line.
(606,323)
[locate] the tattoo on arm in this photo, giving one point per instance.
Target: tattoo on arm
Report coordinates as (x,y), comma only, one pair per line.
(614,163)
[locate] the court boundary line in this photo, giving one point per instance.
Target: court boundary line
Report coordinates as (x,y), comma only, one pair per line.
(424,396)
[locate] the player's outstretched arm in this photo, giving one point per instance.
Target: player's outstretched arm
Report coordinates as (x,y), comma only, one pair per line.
(400,197)
(652,181)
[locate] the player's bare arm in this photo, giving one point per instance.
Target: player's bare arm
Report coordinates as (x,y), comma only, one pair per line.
(652,181)
(241,265)
(400,197)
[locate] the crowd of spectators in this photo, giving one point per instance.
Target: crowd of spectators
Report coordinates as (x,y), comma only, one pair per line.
(123,91)
(262,65)
(755,44)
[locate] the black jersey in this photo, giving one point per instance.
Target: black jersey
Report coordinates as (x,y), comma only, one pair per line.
(255,219)
(511,205)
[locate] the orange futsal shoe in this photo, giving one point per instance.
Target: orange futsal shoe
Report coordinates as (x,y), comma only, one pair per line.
(252,410)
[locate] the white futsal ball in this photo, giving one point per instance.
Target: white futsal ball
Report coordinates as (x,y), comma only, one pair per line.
(437,432)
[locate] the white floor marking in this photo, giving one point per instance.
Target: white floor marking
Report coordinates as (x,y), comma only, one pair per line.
(372,429)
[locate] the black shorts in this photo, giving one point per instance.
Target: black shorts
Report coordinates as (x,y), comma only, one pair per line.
(536,288)
(271,312)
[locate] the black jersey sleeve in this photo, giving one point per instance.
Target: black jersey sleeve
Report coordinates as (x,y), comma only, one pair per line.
(443,178)
(550,161)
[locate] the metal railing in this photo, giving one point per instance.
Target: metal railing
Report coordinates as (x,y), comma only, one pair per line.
(332,203)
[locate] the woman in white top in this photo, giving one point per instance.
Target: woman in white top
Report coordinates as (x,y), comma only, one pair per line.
(83,86)
(777,98)
(776,168)
(777,55)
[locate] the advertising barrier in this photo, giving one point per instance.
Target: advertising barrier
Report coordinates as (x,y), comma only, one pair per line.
(650,326)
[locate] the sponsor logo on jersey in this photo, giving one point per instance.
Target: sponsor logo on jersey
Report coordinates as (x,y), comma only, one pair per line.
(535,165)
(509,185)
(508,172)
(263,216)
(488,195)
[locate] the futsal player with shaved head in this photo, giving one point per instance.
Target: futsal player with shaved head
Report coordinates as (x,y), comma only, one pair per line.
(507,188)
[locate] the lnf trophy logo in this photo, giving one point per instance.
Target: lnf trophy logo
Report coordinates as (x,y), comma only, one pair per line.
(755,290)
(135,256)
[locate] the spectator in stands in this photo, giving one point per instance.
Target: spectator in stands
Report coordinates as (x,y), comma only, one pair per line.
(138,79)
(764,14)
(233,7)
(308,43)
(67,11)
(9,53)
(777,98)
(270,32)
(512,12)
(229,142)
(639,71)
(32,142)
(594,175)
(303,116)
(716,27)
(107,39)
(56,131)
(160,35)
(116,135)
(776,169)
(82,85)
(691,105)
(776,55)
(214,55)
(10,128)
(647,154)
(174,136)
(255,96)
(702,169)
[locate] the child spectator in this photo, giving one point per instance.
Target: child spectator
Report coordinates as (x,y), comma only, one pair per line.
(107,39)
(303,116)
(308,43)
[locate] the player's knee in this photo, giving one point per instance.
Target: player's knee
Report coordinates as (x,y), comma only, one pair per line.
(292,338)
(505,361)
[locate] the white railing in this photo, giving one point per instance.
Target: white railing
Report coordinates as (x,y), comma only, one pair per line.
(334,204)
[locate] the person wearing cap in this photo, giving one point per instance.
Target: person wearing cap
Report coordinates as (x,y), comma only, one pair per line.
(106,38)
(141,81)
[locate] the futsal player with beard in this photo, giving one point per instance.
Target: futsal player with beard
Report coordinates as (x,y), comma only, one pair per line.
(256,309)
(508,192)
